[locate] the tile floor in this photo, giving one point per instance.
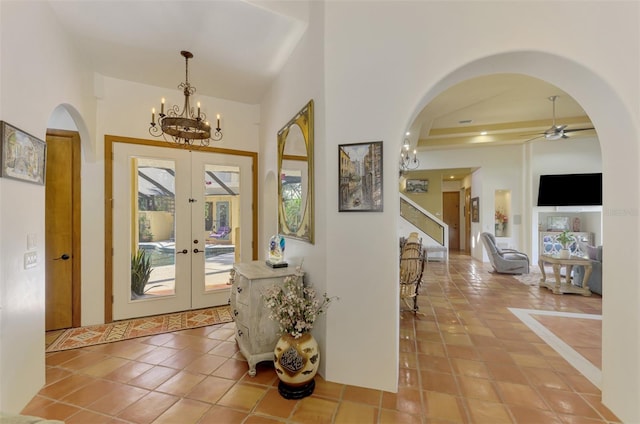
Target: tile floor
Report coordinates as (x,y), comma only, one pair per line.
(464,358)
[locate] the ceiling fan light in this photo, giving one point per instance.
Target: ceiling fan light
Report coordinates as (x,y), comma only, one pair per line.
(554,136)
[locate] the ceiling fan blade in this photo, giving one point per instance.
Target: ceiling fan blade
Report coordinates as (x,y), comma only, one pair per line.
(578,129)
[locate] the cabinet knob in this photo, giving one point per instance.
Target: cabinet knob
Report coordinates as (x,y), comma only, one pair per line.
(240,333)
(239,289)
(235,312)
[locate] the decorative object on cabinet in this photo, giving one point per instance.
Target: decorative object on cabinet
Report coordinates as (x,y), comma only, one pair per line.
(417,186)
(295,307)
(256,334)
(186,125)
(295,170)
(575,224)
(565,239)
(276,252)
(557,223)
(504,261)
(475,209)
(501,223)
(360,177)
(550,246)
(22,156)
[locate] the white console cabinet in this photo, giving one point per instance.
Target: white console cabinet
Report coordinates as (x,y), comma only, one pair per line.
(550,246)
(256,333)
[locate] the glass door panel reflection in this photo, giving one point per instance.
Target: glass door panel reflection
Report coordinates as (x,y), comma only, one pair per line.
(221,223)
(155,235)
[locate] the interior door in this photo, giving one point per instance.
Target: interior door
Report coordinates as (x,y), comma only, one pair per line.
(62,230)
(177,216)
(467,219)
(451,216)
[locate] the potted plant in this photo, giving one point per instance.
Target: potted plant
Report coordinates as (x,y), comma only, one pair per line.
(140,272)
(295,307)
(565,239)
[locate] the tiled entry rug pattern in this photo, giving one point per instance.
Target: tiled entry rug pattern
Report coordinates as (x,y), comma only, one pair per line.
(122,330)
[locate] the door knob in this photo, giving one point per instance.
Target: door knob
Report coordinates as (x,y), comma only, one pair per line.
(196,251)
(185,251)
(64,257)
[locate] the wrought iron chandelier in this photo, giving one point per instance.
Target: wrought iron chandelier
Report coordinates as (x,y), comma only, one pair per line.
(408,163)
(186,125)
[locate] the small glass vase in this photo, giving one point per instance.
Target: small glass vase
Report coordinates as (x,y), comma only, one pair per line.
(276,249)
(296,363)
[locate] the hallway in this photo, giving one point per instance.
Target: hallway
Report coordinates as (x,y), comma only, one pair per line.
(465,357)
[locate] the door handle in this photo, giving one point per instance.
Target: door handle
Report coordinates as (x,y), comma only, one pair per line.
(64,257)
(197,251)
(184,251)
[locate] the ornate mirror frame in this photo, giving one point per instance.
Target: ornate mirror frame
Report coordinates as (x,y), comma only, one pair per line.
(295,171)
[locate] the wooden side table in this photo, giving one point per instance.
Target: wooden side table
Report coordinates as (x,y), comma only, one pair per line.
(256,334)
(559,286)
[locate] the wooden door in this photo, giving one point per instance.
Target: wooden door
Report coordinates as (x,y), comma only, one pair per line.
(451,216)
(62,230)
(467,219)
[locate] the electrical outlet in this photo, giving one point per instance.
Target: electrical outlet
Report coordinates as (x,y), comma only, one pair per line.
(30,259)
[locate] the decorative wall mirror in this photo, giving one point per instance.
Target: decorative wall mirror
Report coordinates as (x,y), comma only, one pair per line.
(295,168)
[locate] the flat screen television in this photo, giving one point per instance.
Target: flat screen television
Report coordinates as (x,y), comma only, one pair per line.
(570,190)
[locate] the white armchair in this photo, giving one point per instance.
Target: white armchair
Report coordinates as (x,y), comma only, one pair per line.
(505,261)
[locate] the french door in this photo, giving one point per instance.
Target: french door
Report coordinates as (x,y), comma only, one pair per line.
(180,219)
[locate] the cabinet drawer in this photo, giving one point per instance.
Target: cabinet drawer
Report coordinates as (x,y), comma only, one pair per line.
(239,315)
(242,290)
(242,334)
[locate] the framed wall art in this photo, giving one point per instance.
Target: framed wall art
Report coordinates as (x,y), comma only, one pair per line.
(360,177)
(22,155)
(417,186)
(475,209)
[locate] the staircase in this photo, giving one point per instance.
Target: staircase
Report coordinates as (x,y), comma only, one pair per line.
(433,231)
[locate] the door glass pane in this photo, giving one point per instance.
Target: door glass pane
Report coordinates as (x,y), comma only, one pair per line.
(221,223)
(154,256)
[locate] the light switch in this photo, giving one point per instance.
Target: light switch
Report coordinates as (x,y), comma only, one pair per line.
(30,259)
(32,241)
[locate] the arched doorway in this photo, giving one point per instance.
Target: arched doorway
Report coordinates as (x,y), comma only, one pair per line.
(618,138)
(63,222)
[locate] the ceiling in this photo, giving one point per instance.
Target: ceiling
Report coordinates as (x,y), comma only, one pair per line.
(240,46)
(511,108)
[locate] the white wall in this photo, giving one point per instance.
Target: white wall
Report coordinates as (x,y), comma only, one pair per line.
(39,72)
(300,81)
(502,168)
(507,167)
(386,60)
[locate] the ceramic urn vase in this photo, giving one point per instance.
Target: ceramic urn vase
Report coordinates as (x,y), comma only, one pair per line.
(296,363)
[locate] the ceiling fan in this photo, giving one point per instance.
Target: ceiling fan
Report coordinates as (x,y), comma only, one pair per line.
(557,132)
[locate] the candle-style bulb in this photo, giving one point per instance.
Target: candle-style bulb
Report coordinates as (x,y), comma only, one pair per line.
(153,115)
(218,120)
(162,106)
(198,110)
